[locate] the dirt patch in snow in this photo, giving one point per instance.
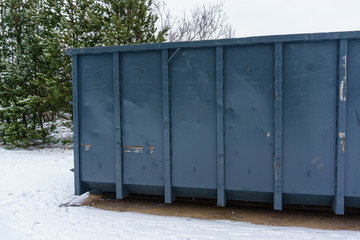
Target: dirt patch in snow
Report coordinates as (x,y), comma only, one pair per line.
(320,218)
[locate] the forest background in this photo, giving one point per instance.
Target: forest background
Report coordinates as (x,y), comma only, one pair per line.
(35,72)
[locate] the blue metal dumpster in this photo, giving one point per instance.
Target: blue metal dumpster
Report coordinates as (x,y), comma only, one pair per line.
(269,119)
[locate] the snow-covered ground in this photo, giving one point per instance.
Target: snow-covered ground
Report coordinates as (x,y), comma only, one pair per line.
(35,185)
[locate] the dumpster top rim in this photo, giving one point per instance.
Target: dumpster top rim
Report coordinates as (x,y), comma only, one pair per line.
(219,42)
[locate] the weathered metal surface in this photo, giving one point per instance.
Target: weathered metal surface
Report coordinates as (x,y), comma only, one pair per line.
(169,193)
(96,118)
(193,119)
(249,119)
(278,151)
(309,117)
(272,119)
(352,137)
(221,196)
(75,84)
(341,129)
(120,189)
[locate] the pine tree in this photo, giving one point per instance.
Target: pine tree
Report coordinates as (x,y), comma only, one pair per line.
(35,73)
(128,22)
(23,92)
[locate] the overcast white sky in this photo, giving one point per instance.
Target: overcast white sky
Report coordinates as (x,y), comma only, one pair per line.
(269,17)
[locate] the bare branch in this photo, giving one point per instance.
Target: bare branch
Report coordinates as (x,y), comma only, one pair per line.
(165,20)
(205,22)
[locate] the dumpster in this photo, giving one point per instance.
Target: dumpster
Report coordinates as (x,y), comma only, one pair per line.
(265,119)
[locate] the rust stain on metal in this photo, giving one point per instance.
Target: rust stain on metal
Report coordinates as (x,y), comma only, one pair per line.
(152,148)
(87,146)
(342,137)
(134,149)
(275,95)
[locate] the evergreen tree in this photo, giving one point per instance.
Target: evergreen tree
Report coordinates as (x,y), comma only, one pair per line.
(22,92)
(35,73)
(128,22)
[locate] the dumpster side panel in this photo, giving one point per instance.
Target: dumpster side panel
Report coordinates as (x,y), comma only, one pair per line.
(141,96)
(249,118)
(193,118)
(97,148)
(309,108)
(257,119)
(352,142)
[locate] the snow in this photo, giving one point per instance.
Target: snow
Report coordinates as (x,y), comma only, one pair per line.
(36,187)
(62,134)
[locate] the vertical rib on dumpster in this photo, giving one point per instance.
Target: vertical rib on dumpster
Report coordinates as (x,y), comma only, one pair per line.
(169,195)
(278,127)
(120,190)
(221,198)
(76,85)
(340,161)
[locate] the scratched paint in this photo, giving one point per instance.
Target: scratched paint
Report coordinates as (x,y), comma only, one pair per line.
(342,90)
(342,137)
(138,149)
(133,149)
(341,93)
